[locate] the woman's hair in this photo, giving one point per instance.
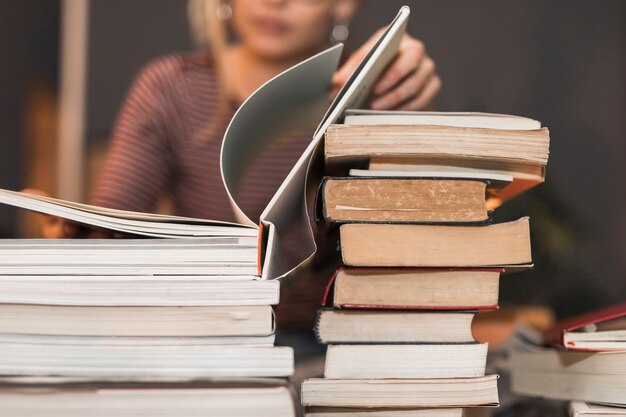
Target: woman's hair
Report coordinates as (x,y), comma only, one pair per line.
(210,33)
(207,30)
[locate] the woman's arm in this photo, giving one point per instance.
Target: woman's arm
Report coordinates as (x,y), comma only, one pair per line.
(409,83)
(139,162)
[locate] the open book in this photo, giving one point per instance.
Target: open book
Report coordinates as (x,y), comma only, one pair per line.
(295,97)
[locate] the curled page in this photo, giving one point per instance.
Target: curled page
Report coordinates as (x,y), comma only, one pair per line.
(290,99)
(297,97)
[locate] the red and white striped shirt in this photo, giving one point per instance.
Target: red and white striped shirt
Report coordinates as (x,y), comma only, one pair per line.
(162,144)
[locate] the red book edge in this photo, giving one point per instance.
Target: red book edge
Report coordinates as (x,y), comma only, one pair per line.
(330,285)
(260,252)
(556,335)
(436,308)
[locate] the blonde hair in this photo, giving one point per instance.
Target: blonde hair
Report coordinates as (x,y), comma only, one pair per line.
(210,33)
(206,29)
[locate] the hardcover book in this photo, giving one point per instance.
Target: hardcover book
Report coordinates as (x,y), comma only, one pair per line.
(418,245)
(414,288)
(596,331)
(401,393)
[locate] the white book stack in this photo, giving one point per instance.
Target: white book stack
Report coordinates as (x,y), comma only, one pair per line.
(140,326)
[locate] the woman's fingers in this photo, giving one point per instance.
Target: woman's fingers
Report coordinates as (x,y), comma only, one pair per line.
(53,227)
(426,96)
(343,73)
(408,89)
(410,56)
(410,82)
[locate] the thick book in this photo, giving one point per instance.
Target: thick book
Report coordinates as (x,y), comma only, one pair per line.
(407,141)
(354,142)
(296,97)
(495,181)
(415,245)
(40,358)
(30,339)
(404,200)
(252,397)
(401,393)
(566,375)
(406,361)
(380,326)
(225,256)
(138,290)
(582,409)
(128,321)
(595,331)
(414,288)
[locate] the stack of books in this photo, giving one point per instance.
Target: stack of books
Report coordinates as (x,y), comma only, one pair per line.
(140,326)
(582,359)
(419,257)
(172,326)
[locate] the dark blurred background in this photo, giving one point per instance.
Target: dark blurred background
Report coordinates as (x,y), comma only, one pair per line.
(562,62)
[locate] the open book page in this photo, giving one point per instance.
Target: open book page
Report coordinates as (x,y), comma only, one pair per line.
(295,98)
(146,224)
(288,207)
(279,106)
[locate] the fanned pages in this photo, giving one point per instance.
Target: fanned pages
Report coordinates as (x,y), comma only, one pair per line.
(147,224)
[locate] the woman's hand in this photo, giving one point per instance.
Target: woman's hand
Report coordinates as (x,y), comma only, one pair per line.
(53,227)
(409,83)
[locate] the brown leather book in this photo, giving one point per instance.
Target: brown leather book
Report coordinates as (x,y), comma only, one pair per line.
(404,200)
(418,245)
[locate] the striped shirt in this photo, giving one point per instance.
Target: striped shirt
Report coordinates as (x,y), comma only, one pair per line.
(162,144)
